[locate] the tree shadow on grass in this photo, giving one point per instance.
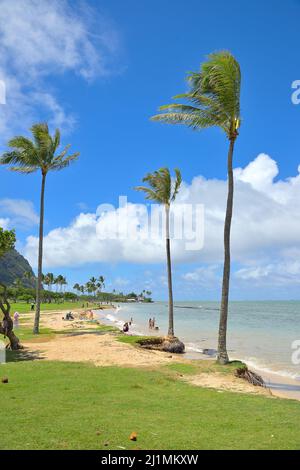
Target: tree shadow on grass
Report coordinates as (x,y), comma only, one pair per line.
(23,355)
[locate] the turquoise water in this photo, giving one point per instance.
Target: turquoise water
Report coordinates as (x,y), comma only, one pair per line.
(259,333)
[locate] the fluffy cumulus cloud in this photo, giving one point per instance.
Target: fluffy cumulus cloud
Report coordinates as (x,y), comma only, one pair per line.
(265,230)
(44,38)
(17,213)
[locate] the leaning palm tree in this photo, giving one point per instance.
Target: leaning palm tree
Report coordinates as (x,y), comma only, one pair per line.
(164,191)
(39,154)
(214,98)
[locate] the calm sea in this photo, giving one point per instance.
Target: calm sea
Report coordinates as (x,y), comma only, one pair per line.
(259,333)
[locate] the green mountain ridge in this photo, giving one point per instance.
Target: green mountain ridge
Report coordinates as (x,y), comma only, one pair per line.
(13,266)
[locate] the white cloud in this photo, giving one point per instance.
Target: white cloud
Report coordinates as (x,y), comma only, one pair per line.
(4,223)
(20,213)
(265,230)
(204,276)
(44,38)
(280,273)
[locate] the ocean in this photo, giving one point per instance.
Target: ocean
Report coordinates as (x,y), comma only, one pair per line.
(259,333)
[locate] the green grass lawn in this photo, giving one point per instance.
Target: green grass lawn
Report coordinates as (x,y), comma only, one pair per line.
(22,307)
(51,405)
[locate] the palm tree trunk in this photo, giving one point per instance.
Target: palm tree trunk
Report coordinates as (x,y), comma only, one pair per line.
(222,346)
(169,266)
(40,260)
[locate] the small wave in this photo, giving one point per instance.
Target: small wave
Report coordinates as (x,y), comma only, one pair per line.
(193,347)
(256,364)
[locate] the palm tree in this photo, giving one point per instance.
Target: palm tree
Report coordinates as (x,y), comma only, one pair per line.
(76,287)
(93,285)
(162,190)
(100,284)
(59,281)
(64,283)
(214,98)
(28,276)
(82,289)
(49,280)
(29,156)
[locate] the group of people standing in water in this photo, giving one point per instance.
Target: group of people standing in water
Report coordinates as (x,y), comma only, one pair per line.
(152,324)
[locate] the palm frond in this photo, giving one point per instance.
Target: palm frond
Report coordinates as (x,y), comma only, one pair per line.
(160,186)
(178,181)
(213,98)
(27,156)
(60,164)
(24,169)
(150,193)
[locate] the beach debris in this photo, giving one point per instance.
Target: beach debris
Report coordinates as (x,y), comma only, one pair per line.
(133,436)
(4,380)
(169,344)
(251,377)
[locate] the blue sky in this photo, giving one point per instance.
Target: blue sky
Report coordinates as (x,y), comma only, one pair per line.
(127,59)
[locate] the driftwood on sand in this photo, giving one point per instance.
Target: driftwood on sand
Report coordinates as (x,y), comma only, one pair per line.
(169,344)
(251,377)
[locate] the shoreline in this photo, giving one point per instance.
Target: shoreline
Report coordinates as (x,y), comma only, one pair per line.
(280,386)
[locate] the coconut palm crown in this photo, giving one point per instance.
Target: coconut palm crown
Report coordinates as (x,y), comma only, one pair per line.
(28,156)
(161,188)
(214,97)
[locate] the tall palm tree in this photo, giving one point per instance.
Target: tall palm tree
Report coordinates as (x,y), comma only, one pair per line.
(29,156)
(64,283)
(163,190)
(214,100)
(100,283)
(93,285)
(50,280)
(76,287)
(59,281)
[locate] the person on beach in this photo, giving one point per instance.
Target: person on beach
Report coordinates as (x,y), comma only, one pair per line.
(150,323)
(153,323)
(125,327)
(91,315)
(16,319)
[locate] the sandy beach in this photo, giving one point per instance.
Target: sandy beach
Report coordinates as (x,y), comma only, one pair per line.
(82,341)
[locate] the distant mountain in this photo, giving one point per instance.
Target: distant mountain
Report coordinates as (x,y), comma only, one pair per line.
(13,266)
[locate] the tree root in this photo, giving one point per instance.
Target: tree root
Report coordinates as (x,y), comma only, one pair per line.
(251,377)
(168,344)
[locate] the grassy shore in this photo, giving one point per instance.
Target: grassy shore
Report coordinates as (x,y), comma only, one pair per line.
(117,389)
(52,405)
(22,307)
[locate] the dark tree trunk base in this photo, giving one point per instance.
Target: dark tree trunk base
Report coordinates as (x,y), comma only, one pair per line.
(14,342)
(223,358)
